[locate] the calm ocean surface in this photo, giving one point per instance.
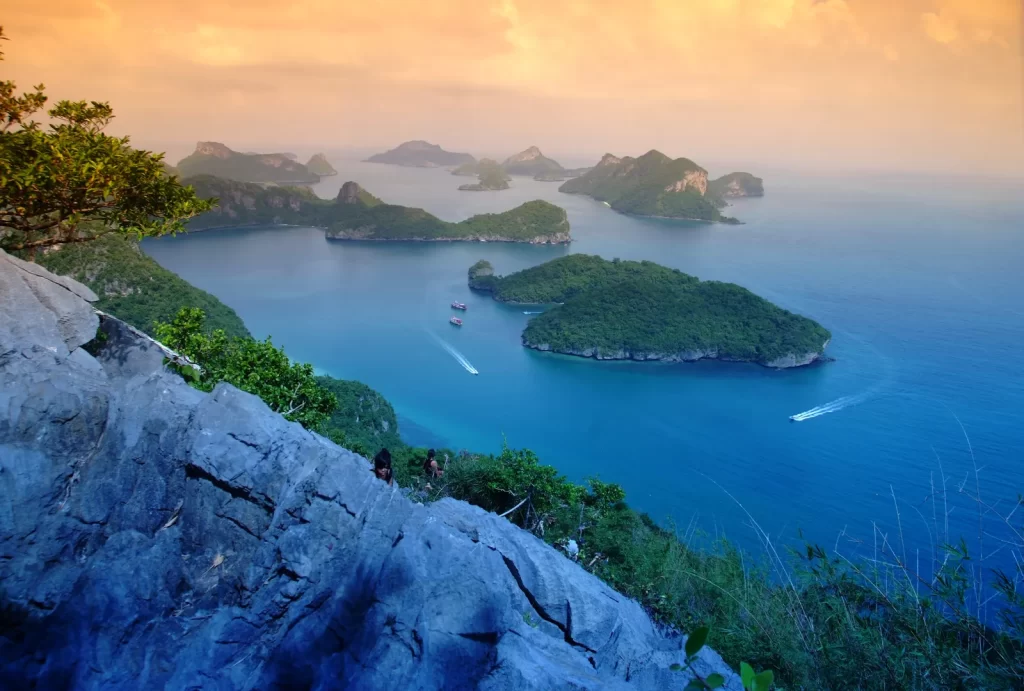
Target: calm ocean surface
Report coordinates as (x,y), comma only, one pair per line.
(919,279)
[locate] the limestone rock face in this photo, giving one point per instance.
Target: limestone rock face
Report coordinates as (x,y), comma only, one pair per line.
(156,537)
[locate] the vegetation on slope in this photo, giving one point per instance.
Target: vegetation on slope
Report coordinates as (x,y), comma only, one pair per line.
(736,185)
(622,307)
(247,203)
(364,421)
(213,158)
(651,185)
(134,288)
(533,163)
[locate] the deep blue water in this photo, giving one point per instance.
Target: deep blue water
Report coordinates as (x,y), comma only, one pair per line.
(919,279)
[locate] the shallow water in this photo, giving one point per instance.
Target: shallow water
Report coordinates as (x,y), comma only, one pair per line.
(919,279)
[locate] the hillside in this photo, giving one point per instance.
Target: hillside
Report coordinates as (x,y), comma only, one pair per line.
(363,416)
(133,287)
(531,162)
(651,185)
(616,310)
(421,154)
(246,203)
(353,218)
(213,158)
(319,165)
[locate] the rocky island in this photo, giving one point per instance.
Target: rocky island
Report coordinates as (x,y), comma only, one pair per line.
(421,154)
(656,185)
(359,215)
(319,165)
(533,163)
(355,214)
(736,185)
(491,177)
(214,158)
(624,310)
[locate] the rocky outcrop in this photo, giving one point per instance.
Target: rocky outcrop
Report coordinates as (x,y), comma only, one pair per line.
(156,537)
(531,162)
(421,154)
(785,362)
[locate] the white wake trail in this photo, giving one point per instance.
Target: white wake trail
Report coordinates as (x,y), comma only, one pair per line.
(459,357)
(831,407)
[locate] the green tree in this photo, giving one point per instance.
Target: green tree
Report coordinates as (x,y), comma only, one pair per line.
(71,183)
(259,367)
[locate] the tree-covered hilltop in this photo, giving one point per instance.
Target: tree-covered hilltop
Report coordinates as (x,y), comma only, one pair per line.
(363,416)
(319,165)
(133,287)
(213,158)
(736,185)
(651,185)
(643,311)
(492,177)
(421,154)
(536,222)
(247,203)
(533,163)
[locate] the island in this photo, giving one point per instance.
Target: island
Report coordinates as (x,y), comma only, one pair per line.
(358,215)
(214,158)
(319,165)
(468,169)
(491,177)
(531,162)
(421,154)
(736,185)
(355,214)
(626,310)
(654,185)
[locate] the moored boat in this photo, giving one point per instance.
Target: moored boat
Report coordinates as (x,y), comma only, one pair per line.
(459,305)
(456,321)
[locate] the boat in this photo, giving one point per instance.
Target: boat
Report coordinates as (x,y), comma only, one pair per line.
(458,306)
(456,321)
(794,418)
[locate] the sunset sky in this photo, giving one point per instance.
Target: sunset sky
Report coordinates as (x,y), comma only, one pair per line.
(863,84)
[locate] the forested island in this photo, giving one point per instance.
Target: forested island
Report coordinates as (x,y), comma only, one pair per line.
(319,165)
(735,185)
(213,158)
(421,154)
(625,310)
(492,177)
(656,185)
(355,214)
(359,215)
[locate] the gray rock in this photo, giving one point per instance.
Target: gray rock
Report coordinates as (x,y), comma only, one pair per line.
(156,537)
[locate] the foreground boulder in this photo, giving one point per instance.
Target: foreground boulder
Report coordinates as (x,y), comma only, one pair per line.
(156,537)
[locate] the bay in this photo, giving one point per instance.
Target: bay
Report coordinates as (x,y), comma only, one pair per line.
(919,279)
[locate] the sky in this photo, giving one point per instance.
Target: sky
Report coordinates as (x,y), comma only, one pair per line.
(839,85)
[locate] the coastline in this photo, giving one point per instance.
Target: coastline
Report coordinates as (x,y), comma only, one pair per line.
(790,361)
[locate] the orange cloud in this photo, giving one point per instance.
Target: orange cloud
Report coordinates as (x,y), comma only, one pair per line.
(919,83)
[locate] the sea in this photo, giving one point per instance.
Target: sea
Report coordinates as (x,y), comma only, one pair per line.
(911,437)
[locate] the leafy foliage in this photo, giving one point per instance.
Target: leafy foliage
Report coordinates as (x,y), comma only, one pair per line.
(54,179)
(254,366)
(364,421)
(640,307)
(645,186)
(134,288)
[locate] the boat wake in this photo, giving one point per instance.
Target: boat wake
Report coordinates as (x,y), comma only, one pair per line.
(831,407)
(459,357)
(531,312)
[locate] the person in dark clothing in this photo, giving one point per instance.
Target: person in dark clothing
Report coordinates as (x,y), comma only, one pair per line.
(430,467)
(382,466)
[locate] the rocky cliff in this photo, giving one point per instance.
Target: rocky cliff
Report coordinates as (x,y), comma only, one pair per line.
(156,537)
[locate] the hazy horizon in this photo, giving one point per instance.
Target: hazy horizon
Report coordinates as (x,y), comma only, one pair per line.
(928,85)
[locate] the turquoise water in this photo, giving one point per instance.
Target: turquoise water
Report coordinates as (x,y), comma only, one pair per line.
(919,279)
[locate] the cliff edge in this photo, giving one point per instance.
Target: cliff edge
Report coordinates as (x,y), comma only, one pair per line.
(154,536)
